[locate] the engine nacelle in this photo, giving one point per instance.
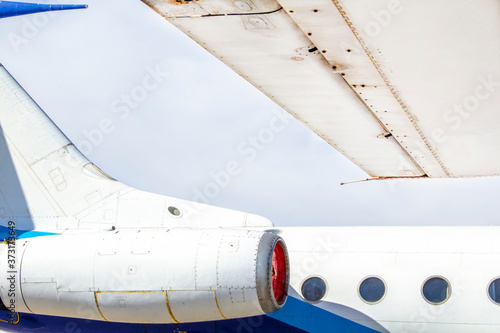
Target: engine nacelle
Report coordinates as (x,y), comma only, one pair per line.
(149,276)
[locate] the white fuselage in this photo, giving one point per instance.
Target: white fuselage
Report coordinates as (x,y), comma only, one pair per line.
(404,258)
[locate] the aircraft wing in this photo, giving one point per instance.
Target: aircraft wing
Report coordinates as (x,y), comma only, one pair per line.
(401,88)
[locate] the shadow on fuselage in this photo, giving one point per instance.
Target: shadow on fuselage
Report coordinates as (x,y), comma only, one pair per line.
(14,210)
(13,205)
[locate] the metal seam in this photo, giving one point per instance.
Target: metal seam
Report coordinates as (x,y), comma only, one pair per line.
(217,303)
(98,308)
(219,15)
(26,244)
(389,85)
(99,170)
(384,127)
(169,308)
(9,322)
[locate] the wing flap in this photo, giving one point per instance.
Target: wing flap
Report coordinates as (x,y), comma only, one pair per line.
(337,67)
(273,54)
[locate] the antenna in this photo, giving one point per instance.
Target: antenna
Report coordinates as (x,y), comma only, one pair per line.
(384,178)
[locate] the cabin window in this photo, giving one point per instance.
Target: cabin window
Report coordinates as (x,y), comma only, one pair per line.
(314,289)
(372,289)
(436,290)
(494,290)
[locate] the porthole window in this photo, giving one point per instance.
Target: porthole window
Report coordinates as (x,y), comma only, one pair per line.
(314,289)
(436,290)
(174,211)
(494,291)
(372,290)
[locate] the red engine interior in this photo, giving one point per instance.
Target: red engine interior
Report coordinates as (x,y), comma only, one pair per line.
(279,274)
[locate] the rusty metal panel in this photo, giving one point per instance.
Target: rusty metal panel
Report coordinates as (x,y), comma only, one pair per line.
(272,53)
(442,58)
(183,8)
(392,97)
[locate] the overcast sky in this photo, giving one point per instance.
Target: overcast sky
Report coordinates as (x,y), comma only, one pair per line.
(157,112)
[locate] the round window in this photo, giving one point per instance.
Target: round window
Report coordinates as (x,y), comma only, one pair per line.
(314,289)
(174,211)
(372,290)
(494,290)
(436,290)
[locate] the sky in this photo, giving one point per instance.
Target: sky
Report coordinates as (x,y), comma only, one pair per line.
(156,111)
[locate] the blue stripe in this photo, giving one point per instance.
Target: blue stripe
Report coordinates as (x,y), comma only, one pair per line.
(296,316)
(40,323)
(311,318)
(10,8)
(33,233)
(5,233)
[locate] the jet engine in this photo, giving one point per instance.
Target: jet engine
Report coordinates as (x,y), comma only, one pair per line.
(148,276)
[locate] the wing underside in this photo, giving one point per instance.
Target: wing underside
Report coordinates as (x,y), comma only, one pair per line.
(403,89)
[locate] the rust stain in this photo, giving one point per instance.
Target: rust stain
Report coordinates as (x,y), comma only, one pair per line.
(98,308)
(169,308)
(179,2)
(217,303)
(393,90)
